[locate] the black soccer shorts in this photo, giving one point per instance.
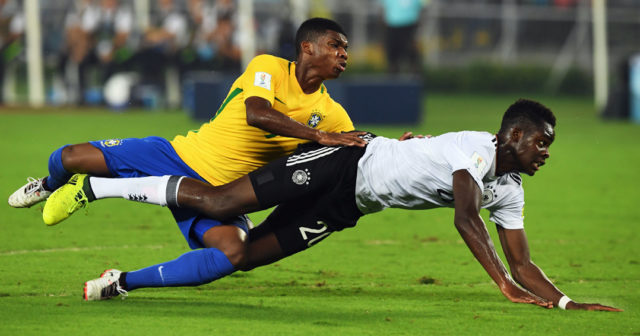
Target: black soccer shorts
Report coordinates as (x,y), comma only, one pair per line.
(314,189)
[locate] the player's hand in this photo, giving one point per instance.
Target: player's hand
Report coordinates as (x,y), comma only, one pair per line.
(518,295)
(342,139)
(591,306)
(409,135)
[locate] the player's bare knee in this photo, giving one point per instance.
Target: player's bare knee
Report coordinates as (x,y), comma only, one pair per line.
(237,255)
(67,157)
(73,159)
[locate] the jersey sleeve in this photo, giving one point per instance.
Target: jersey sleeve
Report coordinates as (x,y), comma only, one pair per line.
(461,161)
(262,77)
(509,211)
(475,153)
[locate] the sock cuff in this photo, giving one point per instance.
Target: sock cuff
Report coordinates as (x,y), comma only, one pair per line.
(88,191)
(123,280)
(172,190)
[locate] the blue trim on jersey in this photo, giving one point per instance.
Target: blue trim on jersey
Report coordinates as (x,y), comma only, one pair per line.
(154,156)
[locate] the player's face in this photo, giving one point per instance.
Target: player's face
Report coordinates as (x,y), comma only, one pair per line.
(532,150)
(331,55)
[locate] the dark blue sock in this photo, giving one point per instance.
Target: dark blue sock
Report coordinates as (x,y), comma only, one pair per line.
(190,269)
(57,174)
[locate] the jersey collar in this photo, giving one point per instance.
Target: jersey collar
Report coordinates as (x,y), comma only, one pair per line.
(491,174)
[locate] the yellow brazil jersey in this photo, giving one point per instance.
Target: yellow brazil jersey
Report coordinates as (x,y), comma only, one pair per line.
(226,148)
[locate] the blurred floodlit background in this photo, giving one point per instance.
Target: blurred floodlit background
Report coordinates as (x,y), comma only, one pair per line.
(143,53)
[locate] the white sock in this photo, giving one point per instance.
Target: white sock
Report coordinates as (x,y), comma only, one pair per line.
(150,189)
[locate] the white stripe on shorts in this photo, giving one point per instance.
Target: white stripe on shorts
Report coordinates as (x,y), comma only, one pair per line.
(310,156)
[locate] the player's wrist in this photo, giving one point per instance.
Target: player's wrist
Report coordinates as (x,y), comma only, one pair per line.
(319,135)
(562,303)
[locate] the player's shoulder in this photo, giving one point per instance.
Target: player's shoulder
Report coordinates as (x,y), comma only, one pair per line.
(477,137)
(483,143)
(269,60)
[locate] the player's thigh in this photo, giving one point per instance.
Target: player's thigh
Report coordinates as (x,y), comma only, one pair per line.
(84,158)
(149,156)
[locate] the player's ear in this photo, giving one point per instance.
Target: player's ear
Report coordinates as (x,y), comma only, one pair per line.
(516,134)
(307,47)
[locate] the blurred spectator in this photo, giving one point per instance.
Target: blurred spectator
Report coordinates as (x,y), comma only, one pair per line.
(214,35)
(401,18)
(112,34)
(565,3)
(11,33)
(79,20)
(167,35)
(202,23)
(97,39)
(225,38)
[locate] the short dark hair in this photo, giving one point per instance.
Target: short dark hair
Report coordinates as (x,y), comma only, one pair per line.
(526,113)
(311,29)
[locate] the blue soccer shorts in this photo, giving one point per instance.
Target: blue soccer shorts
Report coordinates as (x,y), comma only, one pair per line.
(154,156)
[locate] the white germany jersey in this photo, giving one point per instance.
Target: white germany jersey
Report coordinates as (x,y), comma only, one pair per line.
(418,174)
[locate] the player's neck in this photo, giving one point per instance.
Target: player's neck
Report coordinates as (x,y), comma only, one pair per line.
(308,79)
(505,159)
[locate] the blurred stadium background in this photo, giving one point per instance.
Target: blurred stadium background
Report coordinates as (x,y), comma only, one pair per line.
(158,53)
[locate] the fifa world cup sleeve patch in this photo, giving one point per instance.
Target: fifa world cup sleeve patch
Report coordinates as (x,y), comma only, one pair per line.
(478,163)
(263,80)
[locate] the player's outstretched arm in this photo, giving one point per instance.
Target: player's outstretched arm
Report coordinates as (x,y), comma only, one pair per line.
(260,114)
(530,276)
(472,229)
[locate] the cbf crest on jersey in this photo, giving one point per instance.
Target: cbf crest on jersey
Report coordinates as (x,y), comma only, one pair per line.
(314,119)
(111,142)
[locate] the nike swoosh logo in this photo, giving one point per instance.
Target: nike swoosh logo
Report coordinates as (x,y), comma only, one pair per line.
(161,275)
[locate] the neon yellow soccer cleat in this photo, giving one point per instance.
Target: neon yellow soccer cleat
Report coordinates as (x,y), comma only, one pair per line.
(66,200)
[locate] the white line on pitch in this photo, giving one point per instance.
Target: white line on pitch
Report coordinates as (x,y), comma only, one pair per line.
(79,249)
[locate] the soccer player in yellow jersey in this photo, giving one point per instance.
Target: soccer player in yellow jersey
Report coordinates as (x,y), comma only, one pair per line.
(268,96)
(270,109)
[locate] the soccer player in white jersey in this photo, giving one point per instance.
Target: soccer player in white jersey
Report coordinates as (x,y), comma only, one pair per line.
(319,190)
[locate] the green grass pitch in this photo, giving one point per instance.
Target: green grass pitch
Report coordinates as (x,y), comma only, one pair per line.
(398,272)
